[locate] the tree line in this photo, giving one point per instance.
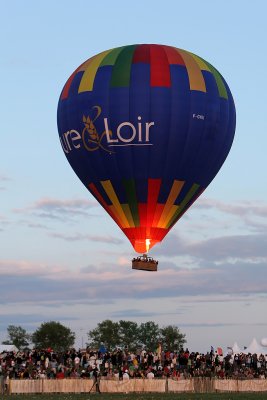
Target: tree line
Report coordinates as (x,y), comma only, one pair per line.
(111,335)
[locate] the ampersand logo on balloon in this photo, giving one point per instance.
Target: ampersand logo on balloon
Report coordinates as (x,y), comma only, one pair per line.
(91,139)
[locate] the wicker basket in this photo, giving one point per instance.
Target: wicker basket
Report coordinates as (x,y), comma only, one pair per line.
(145,264)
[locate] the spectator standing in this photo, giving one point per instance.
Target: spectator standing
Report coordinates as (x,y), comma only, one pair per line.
(2,383)
(126,375)
(150,375)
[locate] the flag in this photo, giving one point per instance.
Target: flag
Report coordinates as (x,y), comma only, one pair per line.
(219,351)
(159,350)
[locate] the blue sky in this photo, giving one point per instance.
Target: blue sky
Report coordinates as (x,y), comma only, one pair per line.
(61,257)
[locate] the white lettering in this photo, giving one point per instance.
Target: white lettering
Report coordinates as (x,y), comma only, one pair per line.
(68,140)
(66,135)
(75,136)
(119,132)
(108,131)
(199,116)
(139,130)
(126,134)
(66,150)
(148,125)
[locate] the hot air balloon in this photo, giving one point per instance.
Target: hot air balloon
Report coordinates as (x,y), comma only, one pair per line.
(146,128)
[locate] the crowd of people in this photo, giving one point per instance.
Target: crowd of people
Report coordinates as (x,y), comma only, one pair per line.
(123,364)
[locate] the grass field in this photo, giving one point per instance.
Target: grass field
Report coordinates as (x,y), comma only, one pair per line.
(138,396)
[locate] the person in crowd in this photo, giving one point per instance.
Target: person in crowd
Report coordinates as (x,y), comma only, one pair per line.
(125,375)
(150,374)
(2,382)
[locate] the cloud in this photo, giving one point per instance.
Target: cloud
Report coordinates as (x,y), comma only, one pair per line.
(107,282)
(33,319)
(241,215)
(252,247)
(3,220)
(131,313)
(35,225)
(246,247)
(57,209)
(220,324)
(241,209)
(228,264)
(79,237)
(134,313)
(3,180)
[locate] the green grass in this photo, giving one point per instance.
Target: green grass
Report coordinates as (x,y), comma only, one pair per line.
(138,396)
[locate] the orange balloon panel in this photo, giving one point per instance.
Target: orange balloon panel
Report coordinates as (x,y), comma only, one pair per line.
(145,224)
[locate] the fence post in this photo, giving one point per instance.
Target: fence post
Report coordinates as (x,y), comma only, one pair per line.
(166,386)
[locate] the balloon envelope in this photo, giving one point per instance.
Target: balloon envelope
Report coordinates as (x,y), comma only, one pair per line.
(146,128)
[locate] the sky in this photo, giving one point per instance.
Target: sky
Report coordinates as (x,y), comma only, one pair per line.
(61,257)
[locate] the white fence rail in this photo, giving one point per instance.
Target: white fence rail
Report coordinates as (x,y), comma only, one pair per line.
(197,385)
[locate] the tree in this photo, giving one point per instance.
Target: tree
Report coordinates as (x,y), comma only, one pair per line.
(172,338)
(128,334)
(106,333)
(55,335)
(149,335)
(18,337)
